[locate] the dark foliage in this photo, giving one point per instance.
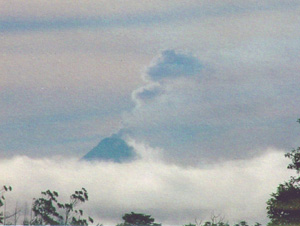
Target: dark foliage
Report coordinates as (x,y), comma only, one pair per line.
(283,207)
(48,211)
(138,219)
(2,200)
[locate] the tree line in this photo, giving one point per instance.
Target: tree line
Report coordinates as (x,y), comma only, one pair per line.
(283,208)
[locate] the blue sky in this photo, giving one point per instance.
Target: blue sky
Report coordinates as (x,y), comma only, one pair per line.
(196,81)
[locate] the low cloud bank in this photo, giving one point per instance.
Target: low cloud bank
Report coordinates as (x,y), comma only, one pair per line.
(172,194)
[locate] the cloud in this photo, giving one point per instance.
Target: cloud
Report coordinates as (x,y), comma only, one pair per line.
(147,93)
(169,66)
(61,15)
(173,65)
(196,114)
(171,194)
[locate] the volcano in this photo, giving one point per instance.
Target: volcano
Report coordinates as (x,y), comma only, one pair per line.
(112,149)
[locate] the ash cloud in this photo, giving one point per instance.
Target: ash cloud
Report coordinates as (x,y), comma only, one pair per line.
(198,115)
(171,65)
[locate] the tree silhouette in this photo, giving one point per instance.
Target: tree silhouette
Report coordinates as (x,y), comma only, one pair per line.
(2,202)
(48,211)
(138,219)
(283,207)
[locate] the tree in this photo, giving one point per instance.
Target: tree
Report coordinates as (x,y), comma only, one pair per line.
(283,208)
(243,223)
(2,202)
(138,219)
(48,211)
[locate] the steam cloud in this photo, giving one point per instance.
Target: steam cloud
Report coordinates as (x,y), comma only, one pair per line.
(192,112)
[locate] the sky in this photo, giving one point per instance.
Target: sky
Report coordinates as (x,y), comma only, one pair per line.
(198,88)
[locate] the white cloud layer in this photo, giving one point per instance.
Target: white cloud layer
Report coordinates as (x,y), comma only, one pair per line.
(171,194)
